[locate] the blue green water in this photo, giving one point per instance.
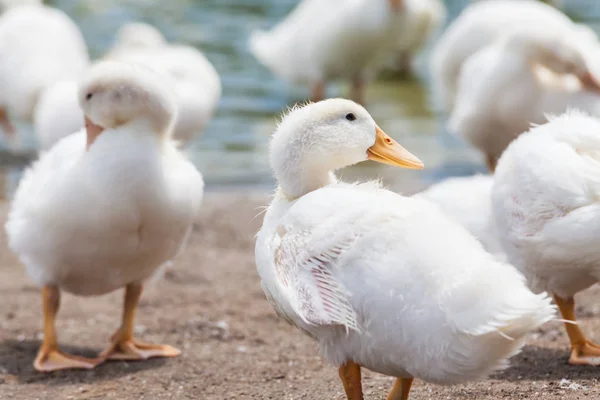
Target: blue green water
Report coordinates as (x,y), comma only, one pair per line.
(233,150)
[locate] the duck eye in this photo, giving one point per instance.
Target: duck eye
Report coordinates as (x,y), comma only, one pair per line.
(350,117)
(88,96)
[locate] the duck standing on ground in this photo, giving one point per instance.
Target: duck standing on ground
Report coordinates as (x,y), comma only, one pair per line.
(545,202)
(40,45)
(324,40)
(517,81)
(379,280)
(481,24)
(106,206)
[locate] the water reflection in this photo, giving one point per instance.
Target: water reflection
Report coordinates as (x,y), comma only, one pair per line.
(233,150)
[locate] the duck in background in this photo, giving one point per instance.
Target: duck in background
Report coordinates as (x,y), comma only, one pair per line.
(421,20)
(196,83)
(546,205)
(7,4)
(107,206)
(482,23)
(516,81)
(379,280)
(320,41)
(57,114)
(195,80)
(467,200)
(40,46)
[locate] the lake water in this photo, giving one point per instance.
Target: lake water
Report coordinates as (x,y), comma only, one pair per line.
(232,153)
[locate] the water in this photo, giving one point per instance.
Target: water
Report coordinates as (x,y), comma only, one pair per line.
(232,153)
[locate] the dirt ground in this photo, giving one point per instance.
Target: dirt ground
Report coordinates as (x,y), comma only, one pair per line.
(234,347)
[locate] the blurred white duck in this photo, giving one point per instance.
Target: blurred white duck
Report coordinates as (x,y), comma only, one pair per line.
(514,82)
(467,200)
(40,45)
(547,209)
(324,40)
(106,206)
(480,24)
(421,19)
(6,4)
(135,36)
(381,281)
(57,113)
(195,80)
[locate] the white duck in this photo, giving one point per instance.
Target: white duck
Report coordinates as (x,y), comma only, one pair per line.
(196,82)
(381,281)
(479,25)
(547,209)
(420,21)
(40,45)
(468,201)
(135,36)
(516,81)
(106,206)
(6,4)
(57,113)
(324,40)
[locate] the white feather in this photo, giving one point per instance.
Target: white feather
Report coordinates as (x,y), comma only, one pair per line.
(399,288)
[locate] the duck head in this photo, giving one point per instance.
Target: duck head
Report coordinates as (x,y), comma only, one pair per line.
(316,139)
(115,94)
(561,52)
(138,35)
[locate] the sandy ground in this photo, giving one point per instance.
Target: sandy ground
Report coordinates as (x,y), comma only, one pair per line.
(234,347)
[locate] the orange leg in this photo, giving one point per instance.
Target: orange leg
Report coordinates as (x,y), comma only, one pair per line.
(350,376)
(49,357)
(123,345)
(317,92)
(583,351)
(401,389)
(5,123)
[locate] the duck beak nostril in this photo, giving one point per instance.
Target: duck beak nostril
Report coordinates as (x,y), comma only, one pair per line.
(387,151)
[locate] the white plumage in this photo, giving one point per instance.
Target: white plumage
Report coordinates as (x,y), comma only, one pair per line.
(545,202)
(40,45)
(321,41)
(105,209)
(380,280)
(468,201)
(479,25)
(516,81)
(93,221)
(420,21)
(57,113)
(195,81)
(7,4)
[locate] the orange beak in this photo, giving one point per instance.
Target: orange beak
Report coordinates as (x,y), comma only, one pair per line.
(589,82)
(387,151)
(93,131)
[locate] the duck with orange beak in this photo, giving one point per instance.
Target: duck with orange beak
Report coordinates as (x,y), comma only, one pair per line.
(106,207)
(379,280)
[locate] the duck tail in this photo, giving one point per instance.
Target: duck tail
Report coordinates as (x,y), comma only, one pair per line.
(534,312)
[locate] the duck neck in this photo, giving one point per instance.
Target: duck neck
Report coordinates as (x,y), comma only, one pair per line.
(296,182)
